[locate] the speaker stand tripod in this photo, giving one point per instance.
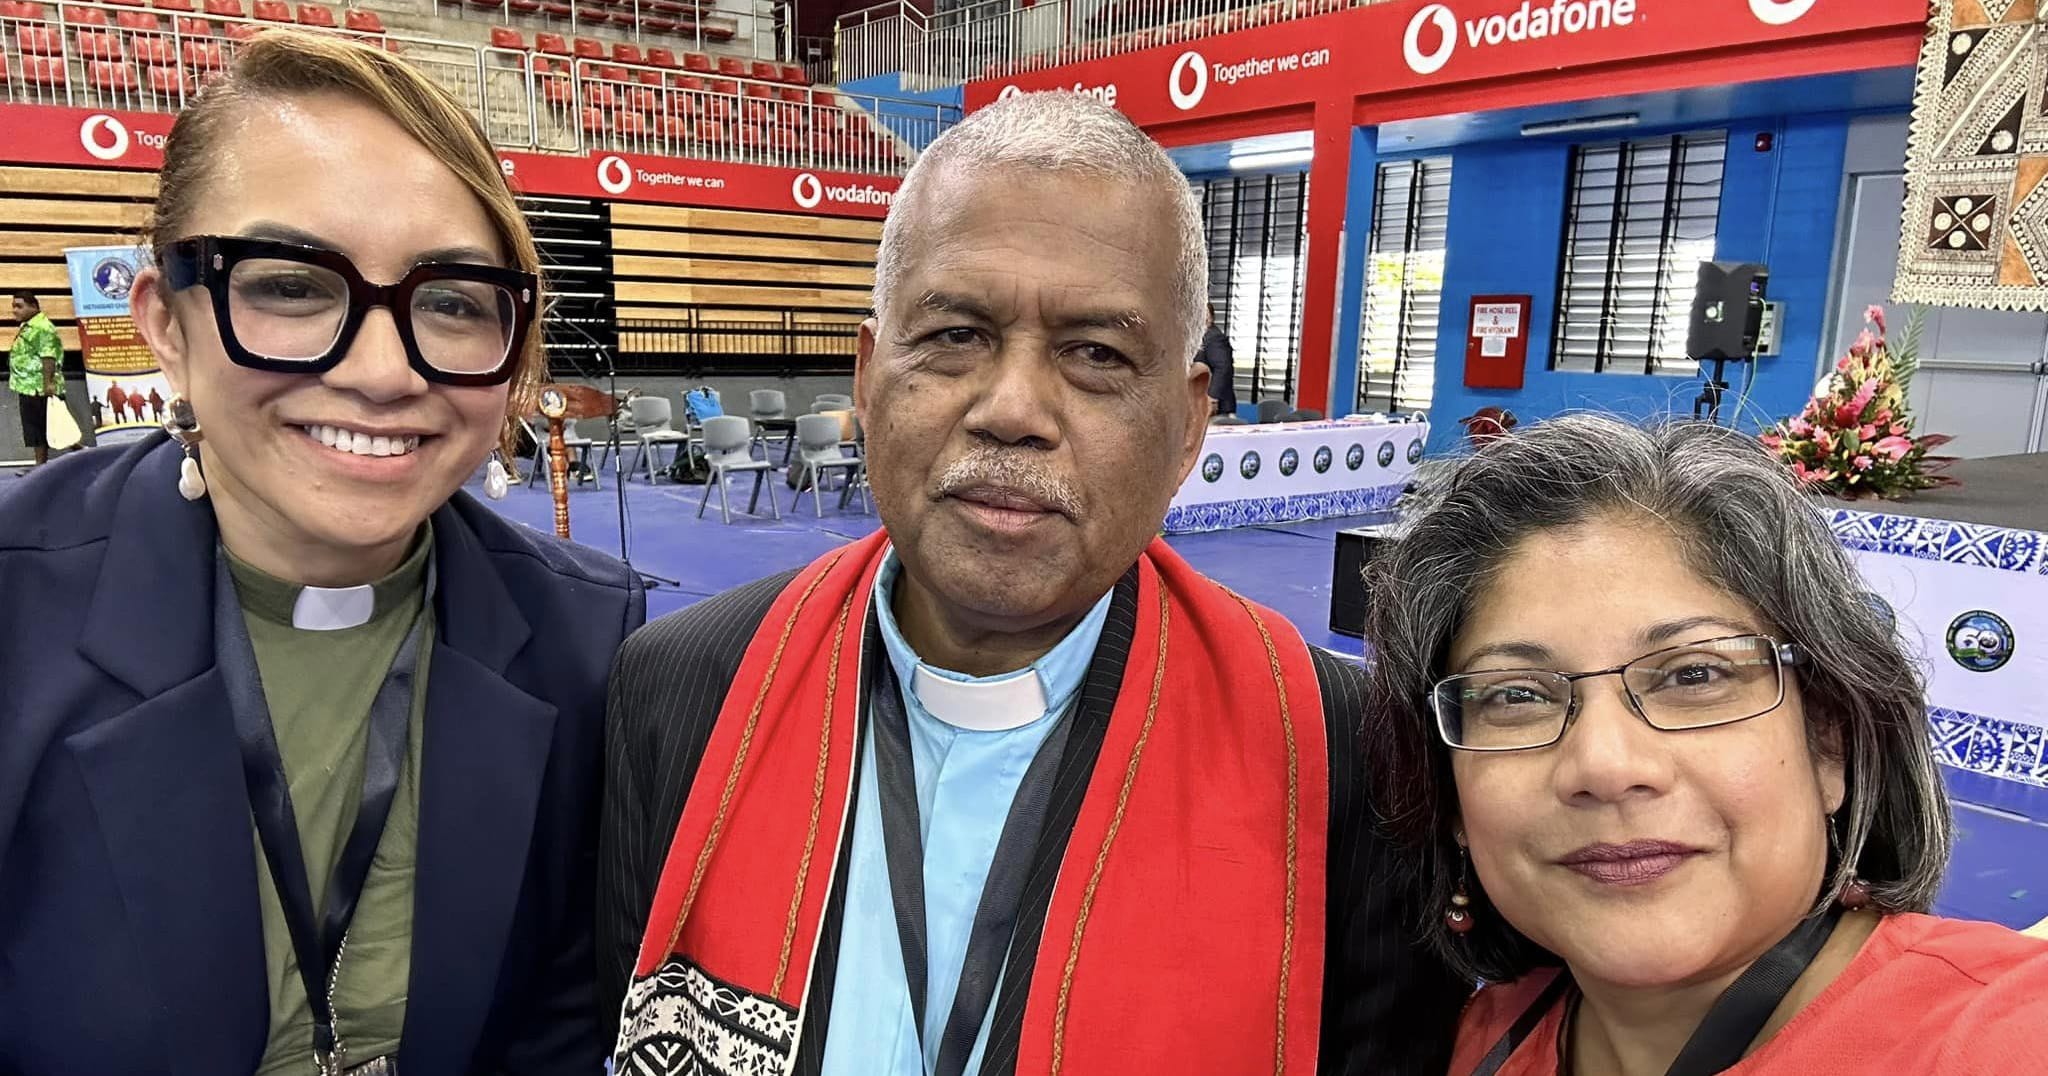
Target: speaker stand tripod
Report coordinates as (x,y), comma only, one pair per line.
(1708,404)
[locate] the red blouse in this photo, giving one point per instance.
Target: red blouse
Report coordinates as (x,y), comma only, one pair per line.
(1942,997)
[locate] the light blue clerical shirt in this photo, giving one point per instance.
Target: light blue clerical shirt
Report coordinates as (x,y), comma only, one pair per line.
(971,739)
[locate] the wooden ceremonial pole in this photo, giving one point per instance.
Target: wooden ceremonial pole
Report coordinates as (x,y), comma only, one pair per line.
(558,404)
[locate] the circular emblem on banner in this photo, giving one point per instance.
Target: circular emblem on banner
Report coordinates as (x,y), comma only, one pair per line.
(615,175)
(1249,466)
(1323,458)
(1780,12)
(1009,92)
(103,136)
(1980,641)
(807,191)
(1289,460)
(1212,467)
(1429,63)
(1882,608)
(1386,453)
(1354,457)
(1415,451)
(113,278)
(1189,82)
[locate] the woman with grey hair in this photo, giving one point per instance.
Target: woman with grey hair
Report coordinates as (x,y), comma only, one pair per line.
(1667,778)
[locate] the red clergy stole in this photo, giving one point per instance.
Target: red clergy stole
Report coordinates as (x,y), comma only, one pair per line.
(1185,931)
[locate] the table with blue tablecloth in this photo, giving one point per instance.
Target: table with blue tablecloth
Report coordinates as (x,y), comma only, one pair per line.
(1289,472)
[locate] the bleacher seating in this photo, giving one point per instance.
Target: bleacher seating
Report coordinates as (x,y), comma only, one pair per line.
(585,93)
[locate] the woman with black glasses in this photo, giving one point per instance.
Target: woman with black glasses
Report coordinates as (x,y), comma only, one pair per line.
(1667,776)
(299,745)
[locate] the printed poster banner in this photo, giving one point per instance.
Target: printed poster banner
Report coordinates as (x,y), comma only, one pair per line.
(121,376)
(46,135)
(1249,476)
(1972,601)
(1409,45)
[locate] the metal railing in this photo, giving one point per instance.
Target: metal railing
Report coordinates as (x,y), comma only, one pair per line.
(997,38)
(753,25)
(705,341)
(108,57)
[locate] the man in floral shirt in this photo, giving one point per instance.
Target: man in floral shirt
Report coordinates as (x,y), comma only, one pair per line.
(33,371)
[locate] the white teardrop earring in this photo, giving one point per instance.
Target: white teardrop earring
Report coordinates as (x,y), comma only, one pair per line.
(496,482)
(183,426)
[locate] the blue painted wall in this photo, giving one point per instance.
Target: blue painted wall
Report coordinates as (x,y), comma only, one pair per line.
(909,122)
(1506,234)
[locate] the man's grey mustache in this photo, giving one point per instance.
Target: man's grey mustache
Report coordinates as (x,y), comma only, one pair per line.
(1008,469)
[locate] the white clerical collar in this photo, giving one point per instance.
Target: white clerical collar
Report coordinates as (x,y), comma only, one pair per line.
(995,705)
(334,608)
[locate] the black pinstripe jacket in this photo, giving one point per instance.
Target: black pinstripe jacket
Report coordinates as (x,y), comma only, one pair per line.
(1388,1006)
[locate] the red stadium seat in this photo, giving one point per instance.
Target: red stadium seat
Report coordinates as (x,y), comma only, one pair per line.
(84,16)
(593,121)
(794,75)
(26,12)
(759,93)
(631,124)
(794,96)
(524,7)
(191,27)
(274,11)
(167,81)
(586,49)
(172,5)
(627,54)
(611,73)
(725,86)
(733,66)
(717,32)
(139,20)
(486,5)
(765,71)
(6,75)
(203,55)
(554,9)
(42,71)
(241,31)
(98,45)
(642,98)
(316,15)
(691,83)
(363,22)
(125,3)
(657,24)
(662,58)
(38,40)
(226,9)
(505,37)
(556,90)
(551,44)
(698,62)
(599,95)
(113,77)
(649,78)
(154,50)
(592,16)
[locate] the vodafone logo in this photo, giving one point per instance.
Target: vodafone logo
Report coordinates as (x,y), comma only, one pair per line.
(1009,92)
(103,136)
(1190,68)
(1780,12)
(614,175)
(1429,63)
(808,191)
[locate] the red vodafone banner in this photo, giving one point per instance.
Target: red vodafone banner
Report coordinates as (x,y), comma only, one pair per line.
(47,135)
(44,134)
(633,177)
(1409,45)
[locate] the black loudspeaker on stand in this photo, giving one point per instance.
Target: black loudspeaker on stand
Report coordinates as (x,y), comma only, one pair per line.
(1727,323)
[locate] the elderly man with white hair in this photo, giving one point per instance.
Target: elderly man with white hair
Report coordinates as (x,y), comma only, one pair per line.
(1008,787)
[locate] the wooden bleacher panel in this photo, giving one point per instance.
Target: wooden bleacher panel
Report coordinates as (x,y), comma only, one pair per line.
(44,210)
(724,272)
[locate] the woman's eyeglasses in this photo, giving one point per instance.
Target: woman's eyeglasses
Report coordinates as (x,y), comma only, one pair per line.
(292,309)
(1695,686)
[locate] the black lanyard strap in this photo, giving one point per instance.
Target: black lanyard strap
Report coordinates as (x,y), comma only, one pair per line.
(995,917)
(1724,1035)
(318,948)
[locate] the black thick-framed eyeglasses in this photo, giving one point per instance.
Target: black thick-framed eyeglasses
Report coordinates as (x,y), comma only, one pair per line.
(1695,685)
(294,309)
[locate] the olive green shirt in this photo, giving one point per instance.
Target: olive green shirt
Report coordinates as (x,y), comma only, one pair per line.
(319,686)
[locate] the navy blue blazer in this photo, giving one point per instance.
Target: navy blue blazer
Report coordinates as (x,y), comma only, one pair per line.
(130,937)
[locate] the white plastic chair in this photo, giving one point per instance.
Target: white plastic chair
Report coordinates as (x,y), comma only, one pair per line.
(819,454)
(729,450)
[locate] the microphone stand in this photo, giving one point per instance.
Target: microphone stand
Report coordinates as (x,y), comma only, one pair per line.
(647,579)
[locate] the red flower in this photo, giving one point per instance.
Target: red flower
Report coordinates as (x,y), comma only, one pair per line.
(1875,315)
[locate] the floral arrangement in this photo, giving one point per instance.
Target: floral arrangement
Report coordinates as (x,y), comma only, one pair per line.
(1855,438)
